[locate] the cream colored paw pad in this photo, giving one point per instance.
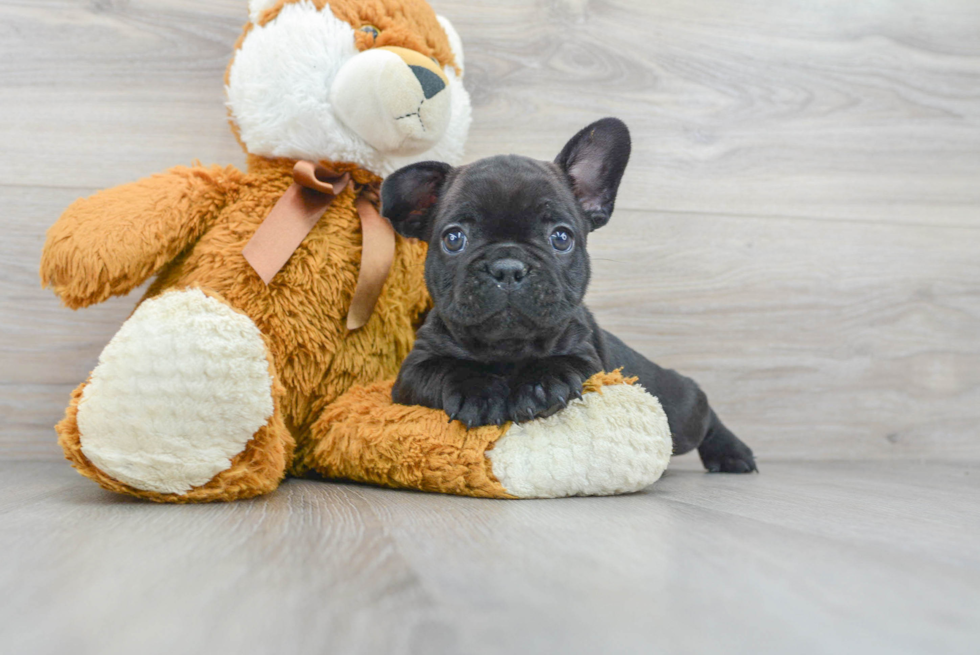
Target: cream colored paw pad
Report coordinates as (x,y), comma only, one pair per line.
(613,442)
(178,392)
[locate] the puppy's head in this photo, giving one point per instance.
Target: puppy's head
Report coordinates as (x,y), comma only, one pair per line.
(507,265)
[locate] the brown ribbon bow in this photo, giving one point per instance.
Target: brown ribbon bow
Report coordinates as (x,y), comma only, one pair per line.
(297,213)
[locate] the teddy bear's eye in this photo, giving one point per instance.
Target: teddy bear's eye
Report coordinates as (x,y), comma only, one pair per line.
(371,30)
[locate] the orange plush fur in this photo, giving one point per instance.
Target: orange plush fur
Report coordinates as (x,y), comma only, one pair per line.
(189,226)
(404,23)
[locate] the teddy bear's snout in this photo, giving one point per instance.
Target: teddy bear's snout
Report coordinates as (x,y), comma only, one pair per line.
(395,99)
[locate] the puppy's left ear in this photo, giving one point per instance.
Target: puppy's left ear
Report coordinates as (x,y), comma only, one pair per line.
(409,195)
(595,159)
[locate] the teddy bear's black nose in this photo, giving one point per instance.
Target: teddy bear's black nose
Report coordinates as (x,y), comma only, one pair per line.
(431,83)
(508,272)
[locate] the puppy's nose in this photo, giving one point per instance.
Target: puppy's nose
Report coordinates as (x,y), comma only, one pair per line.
(509,272)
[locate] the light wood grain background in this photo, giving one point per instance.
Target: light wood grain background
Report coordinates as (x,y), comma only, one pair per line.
(799,228)
(811,558)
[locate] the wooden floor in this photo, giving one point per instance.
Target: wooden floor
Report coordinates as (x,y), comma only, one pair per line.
(803,558)
(799,230)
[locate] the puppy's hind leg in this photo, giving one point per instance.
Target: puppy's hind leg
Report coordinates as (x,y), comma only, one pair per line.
(693,424)
(722,452)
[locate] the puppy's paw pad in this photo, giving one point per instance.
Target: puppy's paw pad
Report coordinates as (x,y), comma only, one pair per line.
(543,398)
(476,405)
(477,412)
(528,402)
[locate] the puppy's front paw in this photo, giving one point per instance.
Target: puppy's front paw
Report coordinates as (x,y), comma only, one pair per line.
(536,398)
(477,401)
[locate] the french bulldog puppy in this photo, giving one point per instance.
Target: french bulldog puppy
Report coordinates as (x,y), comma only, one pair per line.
(508,338)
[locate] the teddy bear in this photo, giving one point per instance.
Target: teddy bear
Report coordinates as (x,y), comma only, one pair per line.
(283,303)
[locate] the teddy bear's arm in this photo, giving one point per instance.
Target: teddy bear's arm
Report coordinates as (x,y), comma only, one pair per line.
(111,242)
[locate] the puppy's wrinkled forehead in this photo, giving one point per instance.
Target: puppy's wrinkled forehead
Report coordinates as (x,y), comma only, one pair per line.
(505,191)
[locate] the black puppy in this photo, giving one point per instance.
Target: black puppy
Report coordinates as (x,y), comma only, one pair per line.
(507,268)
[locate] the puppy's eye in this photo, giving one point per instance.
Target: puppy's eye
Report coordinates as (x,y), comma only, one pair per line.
(370,30)
(561,239)
(453,241)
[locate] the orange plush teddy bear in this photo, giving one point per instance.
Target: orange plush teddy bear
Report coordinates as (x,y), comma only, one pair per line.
(280,290)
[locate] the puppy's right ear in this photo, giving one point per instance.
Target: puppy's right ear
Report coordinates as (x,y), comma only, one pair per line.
(409,194)
(594,161)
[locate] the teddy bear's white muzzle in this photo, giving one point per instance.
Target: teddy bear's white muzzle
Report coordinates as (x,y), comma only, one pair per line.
(394,99)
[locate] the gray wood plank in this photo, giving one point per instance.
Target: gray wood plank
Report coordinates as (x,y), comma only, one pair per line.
(100,93)
(833,110)
(829,109)
(801,558)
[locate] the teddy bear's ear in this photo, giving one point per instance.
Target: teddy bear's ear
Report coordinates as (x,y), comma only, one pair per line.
(455,42)
(409,195)
(256,7)
(594,160)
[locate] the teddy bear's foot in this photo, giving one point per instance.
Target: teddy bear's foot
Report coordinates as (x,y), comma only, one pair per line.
(182,406)
(613,440)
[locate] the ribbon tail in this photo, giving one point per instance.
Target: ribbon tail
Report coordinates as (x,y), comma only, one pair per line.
(293,217)
(377,255)
(284,229)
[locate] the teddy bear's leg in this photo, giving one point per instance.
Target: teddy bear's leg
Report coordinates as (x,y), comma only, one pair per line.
(613,440)
(183,406)
(364,436)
